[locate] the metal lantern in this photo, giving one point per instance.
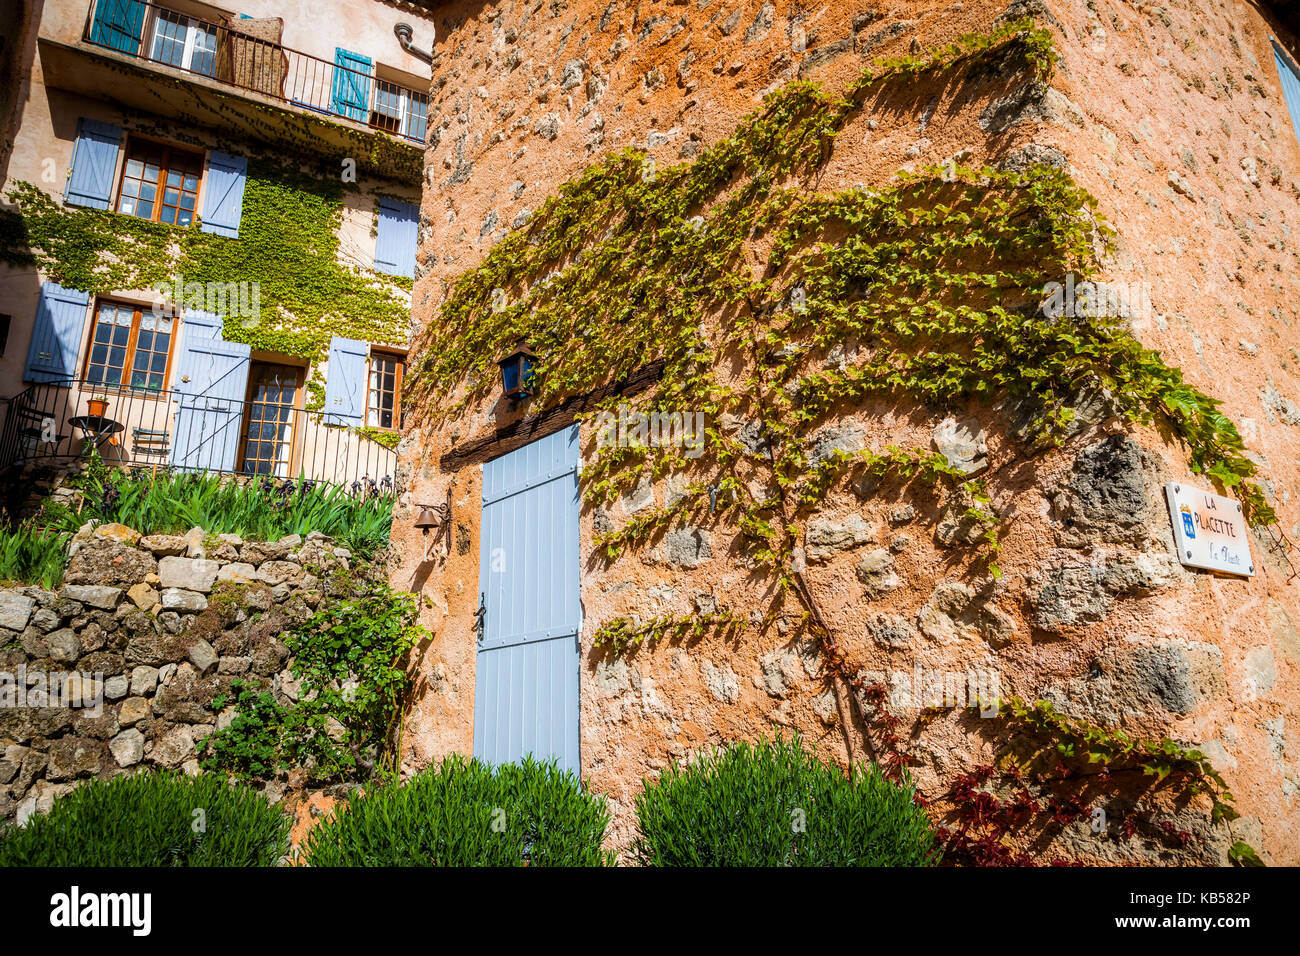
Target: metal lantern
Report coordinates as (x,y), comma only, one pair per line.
(517,371)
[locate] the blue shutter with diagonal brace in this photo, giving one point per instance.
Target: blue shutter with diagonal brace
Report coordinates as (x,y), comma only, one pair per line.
(351,90)
(526,669)
(223,194)
(399,224)
(345,381)
(94,161)
(56,334)
(210,385)
(118,24)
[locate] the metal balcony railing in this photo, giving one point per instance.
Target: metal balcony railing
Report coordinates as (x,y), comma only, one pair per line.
(347,89)
(138,428)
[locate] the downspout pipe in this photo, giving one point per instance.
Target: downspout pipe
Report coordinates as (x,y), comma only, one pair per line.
(405,34)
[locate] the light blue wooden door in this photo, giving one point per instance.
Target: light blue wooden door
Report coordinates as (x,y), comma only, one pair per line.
(211,384)
(526,682)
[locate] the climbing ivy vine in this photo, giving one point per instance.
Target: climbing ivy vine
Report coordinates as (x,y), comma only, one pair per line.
(775,306)
(931,284)
(288,245)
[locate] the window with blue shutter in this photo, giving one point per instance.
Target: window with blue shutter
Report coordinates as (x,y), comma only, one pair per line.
(118,24)
(1289,74)
(395,243)
(94,161)
(351,90)
(345,381)
(223,194)
(56,334)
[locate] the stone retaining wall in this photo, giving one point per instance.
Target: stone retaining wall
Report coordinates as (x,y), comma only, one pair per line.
(118,668)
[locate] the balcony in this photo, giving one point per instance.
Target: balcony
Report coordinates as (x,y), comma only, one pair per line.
(134,53)
(59,423)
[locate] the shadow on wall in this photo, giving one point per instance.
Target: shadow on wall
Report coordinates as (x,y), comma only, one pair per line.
(18,21)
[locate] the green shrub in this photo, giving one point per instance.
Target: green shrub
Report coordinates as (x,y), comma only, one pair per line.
(775,804)
(151,819)
(466,813)
(33,556)
(259,509)
(351,659)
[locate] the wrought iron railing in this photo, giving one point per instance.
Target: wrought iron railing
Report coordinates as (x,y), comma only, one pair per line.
(349,90)
(135,428)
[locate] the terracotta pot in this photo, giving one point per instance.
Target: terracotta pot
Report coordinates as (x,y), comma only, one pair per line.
(97,406)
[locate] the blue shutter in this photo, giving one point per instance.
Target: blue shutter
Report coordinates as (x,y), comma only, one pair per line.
(118,24)
(1286,71)
(56,334)
(201,325)
(94,161)
(211,381)
(526,669)
(399,224)
(223,194)
(345,381)
(351,90)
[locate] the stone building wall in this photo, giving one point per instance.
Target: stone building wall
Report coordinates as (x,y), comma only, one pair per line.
(143,633)
(1173,117)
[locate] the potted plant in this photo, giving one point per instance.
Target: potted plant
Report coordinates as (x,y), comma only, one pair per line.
(97,403)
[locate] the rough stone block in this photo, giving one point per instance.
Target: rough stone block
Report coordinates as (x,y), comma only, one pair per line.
(105,598)
(176,599)
(15,610)
(189,574)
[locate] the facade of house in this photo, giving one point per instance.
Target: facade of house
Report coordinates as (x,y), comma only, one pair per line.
(210,219)
(617,625)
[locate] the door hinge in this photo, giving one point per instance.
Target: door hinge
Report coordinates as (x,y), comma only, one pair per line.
(480,618)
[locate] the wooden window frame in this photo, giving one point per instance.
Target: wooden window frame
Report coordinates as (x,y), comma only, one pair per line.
(400,356)
(149,39)
(128,362)
(296,418)
(168,149)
